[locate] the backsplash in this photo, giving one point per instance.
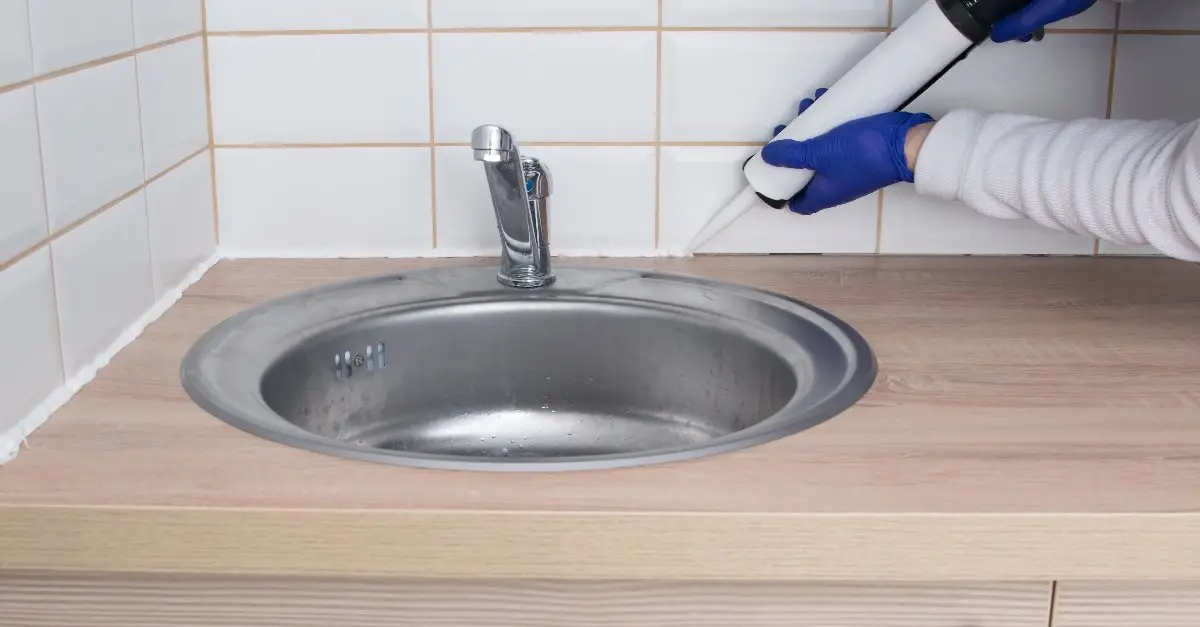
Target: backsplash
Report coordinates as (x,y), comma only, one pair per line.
(341,127)
(105,184)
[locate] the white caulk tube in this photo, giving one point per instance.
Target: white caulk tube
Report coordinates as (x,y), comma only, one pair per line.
(927,45)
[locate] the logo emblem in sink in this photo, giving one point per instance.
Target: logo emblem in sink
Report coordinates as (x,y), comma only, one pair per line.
(346,363)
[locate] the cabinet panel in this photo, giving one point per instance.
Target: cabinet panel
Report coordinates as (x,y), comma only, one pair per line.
(112,601)
(1126,605)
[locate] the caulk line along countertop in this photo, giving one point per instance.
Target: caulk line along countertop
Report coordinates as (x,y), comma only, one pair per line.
(1034,419)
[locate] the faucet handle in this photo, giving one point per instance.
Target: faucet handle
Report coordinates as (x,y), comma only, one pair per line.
(538,182)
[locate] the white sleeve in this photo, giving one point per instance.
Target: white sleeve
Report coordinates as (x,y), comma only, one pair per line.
(1128,182)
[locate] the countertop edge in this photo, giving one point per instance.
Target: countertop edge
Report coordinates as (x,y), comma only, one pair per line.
(601,545)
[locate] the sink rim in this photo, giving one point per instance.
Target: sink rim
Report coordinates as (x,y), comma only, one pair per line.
(860,375)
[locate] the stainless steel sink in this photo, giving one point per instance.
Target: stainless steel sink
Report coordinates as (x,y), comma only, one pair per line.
(529,368)
(607,368)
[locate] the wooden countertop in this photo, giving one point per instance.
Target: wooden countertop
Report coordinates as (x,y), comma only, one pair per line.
(1033,419)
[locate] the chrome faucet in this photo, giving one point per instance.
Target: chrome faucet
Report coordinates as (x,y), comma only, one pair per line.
(521,188)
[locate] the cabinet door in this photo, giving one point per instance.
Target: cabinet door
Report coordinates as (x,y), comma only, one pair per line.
(1127,605)
(54,600)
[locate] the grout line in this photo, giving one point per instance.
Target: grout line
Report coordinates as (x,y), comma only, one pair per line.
(1053,604)
(287,146)
(879,207)
(650,29)
(62,344)
(1164,33)
(212,150)
(658,116)
(137,84)
(879,225)
(565,144)
(96,63)
(433,206)
(88,218)
(1112,89)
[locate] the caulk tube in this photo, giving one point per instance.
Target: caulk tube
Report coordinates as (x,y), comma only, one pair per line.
(918,53)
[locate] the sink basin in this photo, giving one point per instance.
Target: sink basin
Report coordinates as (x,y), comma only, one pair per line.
(606,368)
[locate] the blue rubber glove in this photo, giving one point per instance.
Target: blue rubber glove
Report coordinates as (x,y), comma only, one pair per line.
(1039,14)
(852,161)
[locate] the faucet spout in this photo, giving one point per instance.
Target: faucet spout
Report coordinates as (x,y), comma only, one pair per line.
(520,188)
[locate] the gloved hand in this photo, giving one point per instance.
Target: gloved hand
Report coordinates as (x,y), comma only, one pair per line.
(851,161)
(1039,14)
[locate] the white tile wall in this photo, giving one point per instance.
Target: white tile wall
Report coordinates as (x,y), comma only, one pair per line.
(71,32)
(91,139)
(698,181)
(155,21)
(1158,78)
(172,96)
(1161,15)
(543,13)
(603,202)
(493,78)
(773,13)
(288,15)
(595,80)
(22,201)
(320,89)
(182,235)
(325,201)
(16,56)
(1102,15)
(28,333)
(75,97)
(103,279)
(708,79)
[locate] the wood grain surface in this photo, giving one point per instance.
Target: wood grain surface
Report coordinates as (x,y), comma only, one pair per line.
(1127,605)
(96,601)
(1032,402)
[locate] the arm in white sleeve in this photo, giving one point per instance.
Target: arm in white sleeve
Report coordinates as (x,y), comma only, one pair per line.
(1128,182)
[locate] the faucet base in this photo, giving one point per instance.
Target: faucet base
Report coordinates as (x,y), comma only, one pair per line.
(526,278)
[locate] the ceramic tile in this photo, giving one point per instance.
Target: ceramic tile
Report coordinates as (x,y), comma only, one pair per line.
(325,201)
(102,271)
(770,13)
(28,329)
(1121,250)
(16,56)
(242,15)
(699,181)
(160,20)
(91,139)
(614,100)
(320,88)
(1158,77)
(540,13)
(1161,15)
(180,208)
(919,225)
(72,32)
(707,76)
(174,106)
(998,77)
(1102,15)
(603,202)
(466,221)
(22,202)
